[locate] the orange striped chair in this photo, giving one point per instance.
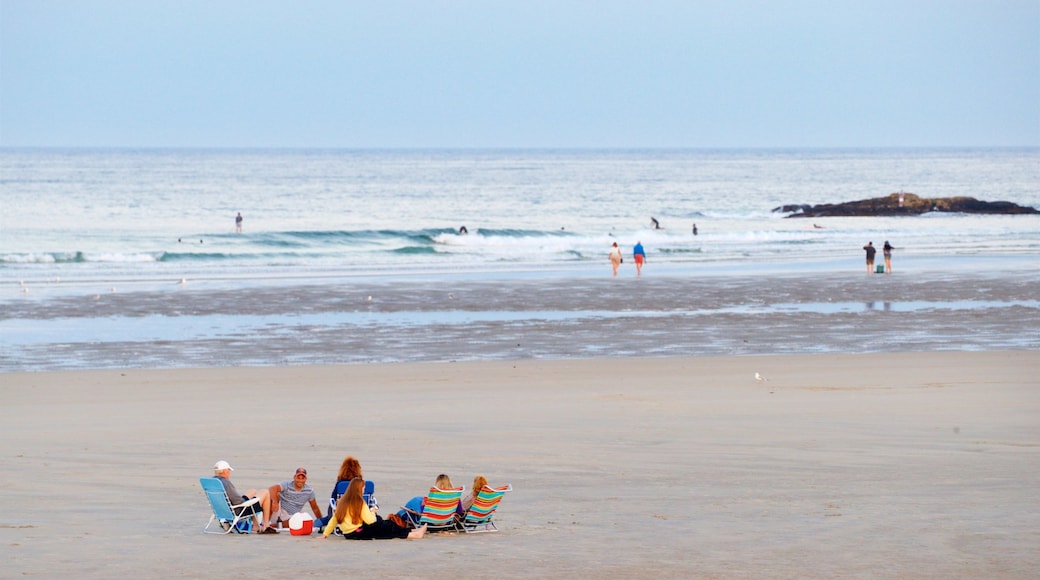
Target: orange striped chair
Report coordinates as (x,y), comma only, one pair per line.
(479,517)
(439,509)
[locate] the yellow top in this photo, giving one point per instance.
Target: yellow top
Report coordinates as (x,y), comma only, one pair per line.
(347,527)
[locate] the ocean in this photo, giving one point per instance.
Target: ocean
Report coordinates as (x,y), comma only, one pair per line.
(87,224)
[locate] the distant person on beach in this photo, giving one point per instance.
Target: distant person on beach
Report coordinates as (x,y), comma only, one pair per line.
(871,250)
(238,223)
(290,496)
(887,251)
(357,522)
(639,255)
(615,257)
(655,223)
(463,231)
(222,471)
(695,229)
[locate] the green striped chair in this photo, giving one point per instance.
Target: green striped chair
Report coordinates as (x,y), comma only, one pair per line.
(439,509)
(479,516)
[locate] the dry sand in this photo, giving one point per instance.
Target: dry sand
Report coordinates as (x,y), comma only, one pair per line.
(891,465)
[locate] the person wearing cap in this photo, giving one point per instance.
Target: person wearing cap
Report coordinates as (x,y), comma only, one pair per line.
(222,471)
(290,496)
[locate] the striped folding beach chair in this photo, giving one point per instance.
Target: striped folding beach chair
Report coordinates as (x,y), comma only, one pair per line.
(439,509)
(480,515)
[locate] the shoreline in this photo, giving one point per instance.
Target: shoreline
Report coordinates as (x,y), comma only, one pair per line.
(895,464)
(537,318)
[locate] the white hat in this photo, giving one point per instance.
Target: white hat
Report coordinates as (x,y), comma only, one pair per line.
(222,465)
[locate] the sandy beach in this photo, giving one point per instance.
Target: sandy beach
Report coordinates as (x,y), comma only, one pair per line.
(840,465)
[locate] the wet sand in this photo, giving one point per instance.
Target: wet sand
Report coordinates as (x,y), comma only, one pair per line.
(908,464)
(409,320)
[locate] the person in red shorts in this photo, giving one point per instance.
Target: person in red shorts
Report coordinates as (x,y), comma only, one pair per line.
(640,256)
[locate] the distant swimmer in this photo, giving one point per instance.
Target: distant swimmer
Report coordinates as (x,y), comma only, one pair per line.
(695,229)
(655,223)
(817,227)
(238,223)
(463,231)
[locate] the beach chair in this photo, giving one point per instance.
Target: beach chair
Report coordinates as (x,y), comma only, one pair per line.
(479,516)
(341,488)
(438,511)
(369,495)
(226,514)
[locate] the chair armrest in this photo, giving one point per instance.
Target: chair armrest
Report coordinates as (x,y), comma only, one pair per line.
(244,504)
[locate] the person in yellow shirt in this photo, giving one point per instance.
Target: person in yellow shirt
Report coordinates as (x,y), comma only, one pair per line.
(357,522)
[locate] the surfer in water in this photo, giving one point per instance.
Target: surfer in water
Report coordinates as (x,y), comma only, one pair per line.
(463,231)
(655,223)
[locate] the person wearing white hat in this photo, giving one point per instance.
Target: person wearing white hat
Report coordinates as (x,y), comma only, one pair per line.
(222,471)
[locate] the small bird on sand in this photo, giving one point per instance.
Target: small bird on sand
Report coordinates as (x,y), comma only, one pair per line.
(760,378)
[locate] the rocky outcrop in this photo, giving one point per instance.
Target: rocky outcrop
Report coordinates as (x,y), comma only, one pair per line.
(912,205)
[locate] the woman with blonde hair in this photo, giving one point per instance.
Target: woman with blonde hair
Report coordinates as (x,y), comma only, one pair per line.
(443,482)
(414,508)
(357,522)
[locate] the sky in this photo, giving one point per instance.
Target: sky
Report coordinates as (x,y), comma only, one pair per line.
(519,74)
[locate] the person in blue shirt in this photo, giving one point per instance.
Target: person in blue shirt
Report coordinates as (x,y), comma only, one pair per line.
(640,256)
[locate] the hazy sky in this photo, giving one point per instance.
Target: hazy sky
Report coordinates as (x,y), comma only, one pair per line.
(523,73)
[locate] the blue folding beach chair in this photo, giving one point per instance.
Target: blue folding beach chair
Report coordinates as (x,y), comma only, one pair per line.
(368,494)
(229,516)
(341,488)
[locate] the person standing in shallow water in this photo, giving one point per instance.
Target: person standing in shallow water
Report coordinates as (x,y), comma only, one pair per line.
(871,251)
(887,251)
(615,257)
(639,255)
(238,223)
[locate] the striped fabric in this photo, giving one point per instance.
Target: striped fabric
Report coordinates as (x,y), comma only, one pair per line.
(478,518)
(439,508)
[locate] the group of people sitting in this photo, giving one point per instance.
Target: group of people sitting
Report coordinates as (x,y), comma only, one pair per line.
(352,516)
